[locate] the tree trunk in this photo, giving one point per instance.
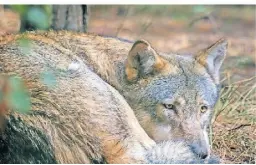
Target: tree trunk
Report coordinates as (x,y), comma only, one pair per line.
(70,17)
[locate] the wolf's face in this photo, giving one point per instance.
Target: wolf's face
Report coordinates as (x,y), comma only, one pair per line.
(173,96)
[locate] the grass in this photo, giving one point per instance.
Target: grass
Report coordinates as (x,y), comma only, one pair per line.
(234,129)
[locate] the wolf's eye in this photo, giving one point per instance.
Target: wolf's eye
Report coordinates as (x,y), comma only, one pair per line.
(169,106)
(204,108)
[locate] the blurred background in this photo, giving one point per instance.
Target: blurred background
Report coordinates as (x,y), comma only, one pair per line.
(170,28)
(178,29)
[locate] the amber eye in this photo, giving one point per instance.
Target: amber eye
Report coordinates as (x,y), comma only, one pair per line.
(169,106)
(204,108)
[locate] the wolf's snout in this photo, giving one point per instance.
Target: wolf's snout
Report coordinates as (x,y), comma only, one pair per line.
(201,149)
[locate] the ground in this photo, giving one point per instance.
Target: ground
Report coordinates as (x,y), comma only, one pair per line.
(185,30)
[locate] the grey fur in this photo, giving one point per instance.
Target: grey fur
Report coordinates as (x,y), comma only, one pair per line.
(89,95)
(176,152)
(192,81)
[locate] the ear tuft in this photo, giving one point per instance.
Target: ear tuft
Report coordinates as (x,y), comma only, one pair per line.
(212,57)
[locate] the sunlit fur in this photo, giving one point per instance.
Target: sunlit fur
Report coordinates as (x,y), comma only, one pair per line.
(85,119)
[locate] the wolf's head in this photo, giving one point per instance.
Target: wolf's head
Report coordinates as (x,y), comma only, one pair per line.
(174,96)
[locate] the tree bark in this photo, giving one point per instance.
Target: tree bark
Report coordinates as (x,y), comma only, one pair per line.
(70,17)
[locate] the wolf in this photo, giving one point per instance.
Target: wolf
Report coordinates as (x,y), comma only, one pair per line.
(172,96)
(88,116)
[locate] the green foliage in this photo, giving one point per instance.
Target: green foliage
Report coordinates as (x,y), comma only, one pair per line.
(47,9)
(38,17)
(19,98)
(246,61)
(199,9)
(49,79)
(25,45)
(21,9)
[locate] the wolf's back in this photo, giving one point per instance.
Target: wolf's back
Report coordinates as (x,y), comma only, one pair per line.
(69,121)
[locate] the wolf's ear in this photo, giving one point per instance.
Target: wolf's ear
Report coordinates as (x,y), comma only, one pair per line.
(212,57)
(143,60)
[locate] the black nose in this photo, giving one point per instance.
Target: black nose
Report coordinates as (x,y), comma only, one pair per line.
(203,155)
(201,149)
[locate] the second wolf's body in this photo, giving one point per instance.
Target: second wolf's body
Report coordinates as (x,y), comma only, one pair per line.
(83,114)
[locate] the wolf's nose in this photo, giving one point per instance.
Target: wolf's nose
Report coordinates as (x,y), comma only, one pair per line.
(203,155)
(200,149)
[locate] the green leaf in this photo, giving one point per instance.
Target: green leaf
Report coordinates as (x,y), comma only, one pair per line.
(48,9)
(19,98)
(20,101)
(25,45)
(21,9)
(38,17)
(49,79)
(15,83)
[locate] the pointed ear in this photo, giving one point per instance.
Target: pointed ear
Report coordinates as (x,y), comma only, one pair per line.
(212,57)
(143,60)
